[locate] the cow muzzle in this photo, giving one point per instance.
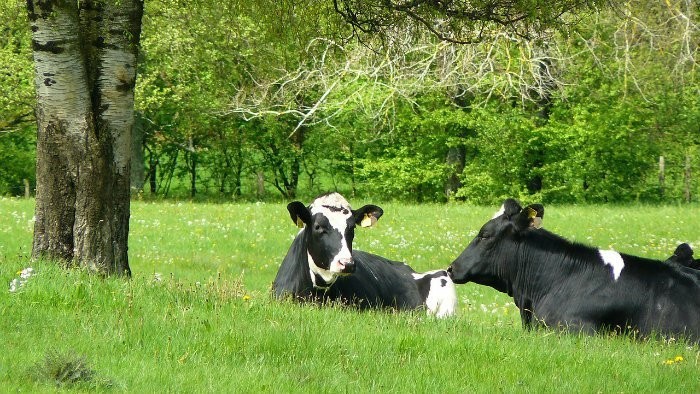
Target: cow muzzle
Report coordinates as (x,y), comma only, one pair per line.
(346,266)
(459,279)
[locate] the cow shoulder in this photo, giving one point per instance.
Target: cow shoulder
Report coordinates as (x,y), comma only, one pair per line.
(381,281)
(293,277)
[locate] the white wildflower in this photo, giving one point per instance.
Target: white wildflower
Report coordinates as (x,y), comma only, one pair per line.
(26,273)
(14,285)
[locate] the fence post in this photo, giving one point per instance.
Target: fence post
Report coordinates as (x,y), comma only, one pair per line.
(687,179)
(27,191)
(662,176)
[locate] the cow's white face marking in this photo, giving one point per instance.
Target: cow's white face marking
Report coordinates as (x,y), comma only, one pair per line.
(442,297)
(337,210)
(614,260)
(500,212)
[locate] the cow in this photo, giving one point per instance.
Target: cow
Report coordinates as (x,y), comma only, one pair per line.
(558,283)
(321,265)
(683,255)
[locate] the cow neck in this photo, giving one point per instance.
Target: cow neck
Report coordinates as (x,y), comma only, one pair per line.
(530,278)
(321,278)
(545,255)
(318,281)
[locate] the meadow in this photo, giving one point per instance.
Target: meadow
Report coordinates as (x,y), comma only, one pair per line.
(197,315)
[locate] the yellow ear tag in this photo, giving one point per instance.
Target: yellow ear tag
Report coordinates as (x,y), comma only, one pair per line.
(368,221)
(531,213)
(300,223)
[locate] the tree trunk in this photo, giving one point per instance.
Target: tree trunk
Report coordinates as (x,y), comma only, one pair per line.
(138,165)
(260,184)
(193,167)
(456,156)
(295,169)
(85,69)
(152,173)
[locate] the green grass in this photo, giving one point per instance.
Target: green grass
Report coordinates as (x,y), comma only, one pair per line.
(209,325)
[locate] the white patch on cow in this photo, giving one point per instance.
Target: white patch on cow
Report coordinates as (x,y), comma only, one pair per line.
(500,212)
(337,209)
(442,297)
(328,276)
(614,260)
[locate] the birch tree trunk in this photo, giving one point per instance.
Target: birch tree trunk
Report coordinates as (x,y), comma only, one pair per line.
(85,68)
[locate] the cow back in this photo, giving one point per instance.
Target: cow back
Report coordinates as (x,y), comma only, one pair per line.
(293,277)
(377,282)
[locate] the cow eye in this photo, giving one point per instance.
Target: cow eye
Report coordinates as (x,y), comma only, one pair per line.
(318,228)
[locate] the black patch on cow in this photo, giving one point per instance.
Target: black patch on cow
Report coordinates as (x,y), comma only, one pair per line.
(424,282)
(319,282)
(324,241)
(443,282)
(336,209)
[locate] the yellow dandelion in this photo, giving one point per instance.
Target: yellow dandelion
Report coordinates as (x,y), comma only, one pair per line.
(678,359)
(246,297)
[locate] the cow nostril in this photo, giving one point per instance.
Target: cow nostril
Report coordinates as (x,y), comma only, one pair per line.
(349,266)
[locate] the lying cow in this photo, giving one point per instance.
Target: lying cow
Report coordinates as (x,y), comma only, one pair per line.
(559,283)
(684,256)
(321,266)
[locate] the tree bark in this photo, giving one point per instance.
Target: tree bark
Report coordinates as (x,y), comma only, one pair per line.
(456,156)
(138,155)
(85,69)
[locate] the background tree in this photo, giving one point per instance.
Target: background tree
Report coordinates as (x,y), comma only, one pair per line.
(17,125)
(463,22)
(85,71)
(568,115)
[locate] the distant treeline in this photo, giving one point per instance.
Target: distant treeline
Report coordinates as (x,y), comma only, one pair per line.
(608,112)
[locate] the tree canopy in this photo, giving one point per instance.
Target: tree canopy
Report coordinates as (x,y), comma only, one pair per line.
(463,22)
(253,101)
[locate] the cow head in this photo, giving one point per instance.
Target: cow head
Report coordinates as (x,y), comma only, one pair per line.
(329,226)
(683,255)
(479,261)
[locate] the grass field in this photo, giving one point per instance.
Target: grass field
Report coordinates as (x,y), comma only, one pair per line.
(197,315)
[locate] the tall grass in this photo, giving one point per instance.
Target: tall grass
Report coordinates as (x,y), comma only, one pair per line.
(197,315)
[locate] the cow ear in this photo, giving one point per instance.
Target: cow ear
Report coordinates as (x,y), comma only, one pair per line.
(299,213)
(368,215)
(535,214)
(511,208)
(530,216)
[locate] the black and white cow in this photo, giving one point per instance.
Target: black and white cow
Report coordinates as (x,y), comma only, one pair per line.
(559,283)
(321,266)
(683,255)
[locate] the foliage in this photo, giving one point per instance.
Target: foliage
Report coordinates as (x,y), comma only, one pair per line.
(251,101)
(462,22)
(198,308)
(17,129)
(68,370)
